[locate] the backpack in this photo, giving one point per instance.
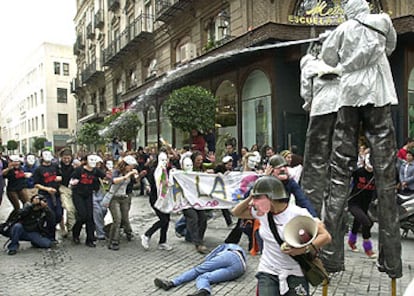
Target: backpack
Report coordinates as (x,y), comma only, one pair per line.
(13,218)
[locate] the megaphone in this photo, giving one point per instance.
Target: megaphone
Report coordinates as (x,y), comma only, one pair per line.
(300,231)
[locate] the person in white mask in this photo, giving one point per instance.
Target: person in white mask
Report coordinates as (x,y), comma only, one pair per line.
(47,178)
(84,181)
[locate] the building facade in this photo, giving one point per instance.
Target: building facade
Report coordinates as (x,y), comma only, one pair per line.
(133,53)
(38,103)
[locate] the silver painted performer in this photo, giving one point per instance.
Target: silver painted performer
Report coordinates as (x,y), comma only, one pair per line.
(361,45)
(319,88)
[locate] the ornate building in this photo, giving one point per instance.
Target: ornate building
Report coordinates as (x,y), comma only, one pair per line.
(246,52)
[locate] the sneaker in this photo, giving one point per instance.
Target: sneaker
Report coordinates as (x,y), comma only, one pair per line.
(90,244)
(11,252)
(202,249)
(179,235)
(165,247)
(371,254)
(76,240)
(352,246)
(163,284)
(145,241)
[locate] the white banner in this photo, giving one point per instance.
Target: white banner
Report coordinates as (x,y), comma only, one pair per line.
(204,191)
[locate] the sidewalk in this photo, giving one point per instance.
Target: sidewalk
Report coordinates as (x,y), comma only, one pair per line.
(79,270)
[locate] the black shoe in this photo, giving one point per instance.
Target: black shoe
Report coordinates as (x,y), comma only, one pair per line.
(129,236)
(113,246)
(163,284)
(90,244)
(201,292)
(76,240)
(11,252)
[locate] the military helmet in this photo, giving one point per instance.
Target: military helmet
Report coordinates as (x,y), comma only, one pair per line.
(277,161)
(270,186)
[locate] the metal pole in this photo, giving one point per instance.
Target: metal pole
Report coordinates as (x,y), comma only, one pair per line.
(393,287)
(325,288)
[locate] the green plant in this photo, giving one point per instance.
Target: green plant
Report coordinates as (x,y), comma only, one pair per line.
(12,145)
(89,134)
(209,45)
(191,107)
(123,125)
(39,143)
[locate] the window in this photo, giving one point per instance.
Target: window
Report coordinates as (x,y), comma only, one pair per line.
(65,69)
(41,97)
(43,121)
(62,95)
(57,68)
(62,121)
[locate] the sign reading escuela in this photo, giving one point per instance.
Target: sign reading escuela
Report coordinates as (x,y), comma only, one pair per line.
(323,12)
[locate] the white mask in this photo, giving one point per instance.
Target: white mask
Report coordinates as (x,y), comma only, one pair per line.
(187,165)
(92,160)
(162,160)
(47,156)
(252,162)
(109,164)
(30,159)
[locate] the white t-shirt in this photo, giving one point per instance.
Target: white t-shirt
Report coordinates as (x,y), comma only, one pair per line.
(273,261)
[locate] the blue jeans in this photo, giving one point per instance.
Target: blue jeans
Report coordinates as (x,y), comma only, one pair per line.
(18,233)
(226,266)
(268,285)
(54,204)
(99,213)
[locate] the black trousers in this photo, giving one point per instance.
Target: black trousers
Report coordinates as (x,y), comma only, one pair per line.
(84,215)
(162,224)
(379,131)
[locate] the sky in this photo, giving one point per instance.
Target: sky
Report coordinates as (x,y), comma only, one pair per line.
(26,24)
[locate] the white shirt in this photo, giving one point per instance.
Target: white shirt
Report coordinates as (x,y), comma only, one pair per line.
(273,260)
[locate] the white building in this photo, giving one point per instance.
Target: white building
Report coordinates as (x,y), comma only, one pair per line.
(38,102)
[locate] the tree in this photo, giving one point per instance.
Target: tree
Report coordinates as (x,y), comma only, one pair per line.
(191,107)
(88,134)
(39,143)
(12,145)
(123,125)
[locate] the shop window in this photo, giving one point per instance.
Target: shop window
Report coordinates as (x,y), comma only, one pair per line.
(226,109)
(411,104)
(256,110)
(141,131)
(152,126)
(165,126)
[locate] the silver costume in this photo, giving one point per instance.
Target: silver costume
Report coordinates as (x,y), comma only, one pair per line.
(320,95)
(361,45)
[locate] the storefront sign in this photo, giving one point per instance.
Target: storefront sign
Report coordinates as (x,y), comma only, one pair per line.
(322,12)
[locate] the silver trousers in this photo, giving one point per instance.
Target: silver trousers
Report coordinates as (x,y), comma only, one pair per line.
(318,147)
(376,122)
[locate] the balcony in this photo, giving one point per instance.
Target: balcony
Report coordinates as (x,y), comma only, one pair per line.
(99,19)
(78,46)
(139,30)
(165,10)
(113,5)
(90,31)
(91,72)
(75,85)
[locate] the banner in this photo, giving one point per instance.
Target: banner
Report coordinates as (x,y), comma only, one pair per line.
(204,191)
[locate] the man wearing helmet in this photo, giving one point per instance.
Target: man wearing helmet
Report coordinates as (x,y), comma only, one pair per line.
(278,167)
(278,273)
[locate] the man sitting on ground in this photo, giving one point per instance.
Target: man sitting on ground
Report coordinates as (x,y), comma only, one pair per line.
(32,225)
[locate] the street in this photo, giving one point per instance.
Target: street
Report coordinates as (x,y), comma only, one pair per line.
(79,270)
